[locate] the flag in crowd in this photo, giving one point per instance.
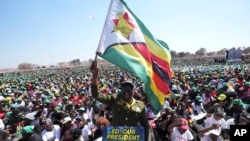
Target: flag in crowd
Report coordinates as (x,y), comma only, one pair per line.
(126,42)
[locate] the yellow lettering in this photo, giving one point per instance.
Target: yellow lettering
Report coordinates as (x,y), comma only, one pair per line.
(116,137)
(125,137)
(128,131)
(134,137)
(115,131)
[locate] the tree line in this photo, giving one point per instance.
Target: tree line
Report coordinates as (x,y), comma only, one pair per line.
(174,54)
(203,52)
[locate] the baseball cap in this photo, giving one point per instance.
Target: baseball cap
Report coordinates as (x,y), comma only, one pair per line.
(127,83)
(31,116)
(222,97)
(82,109)
(27,129)
(66,119)
(230,89)
(183,124)
(65,97)
(219,111)
(198,98)
(80,118)
(237,102)
(46,101)
(18,99)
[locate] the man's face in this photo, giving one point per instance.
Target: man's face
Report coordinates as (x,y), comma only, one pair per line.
(79,123)
(67,135)
(218,116)
(49,126)
(240,107)
(65,100)
(68,124)
(127,93)
(27,101)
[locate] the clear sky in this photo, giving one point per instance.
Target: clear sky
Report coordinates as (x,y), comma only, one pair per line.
(46,32)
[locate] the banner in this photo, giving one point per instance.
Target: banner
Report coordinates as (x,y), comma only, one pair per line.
(120,133)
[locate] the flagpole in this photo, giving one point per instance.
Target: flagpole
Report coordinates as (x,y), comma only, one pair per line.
(95,57)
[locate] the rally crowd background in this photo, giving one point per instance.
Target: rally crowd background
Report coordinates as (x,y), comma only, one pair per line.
(56,104)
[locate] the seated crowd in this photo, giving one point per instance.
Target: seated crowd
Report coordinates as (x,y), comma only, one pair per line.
(57,105)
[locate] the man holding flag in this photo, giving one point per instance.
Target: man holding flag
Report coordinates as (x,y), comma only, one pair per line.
(127,43)
(126,110)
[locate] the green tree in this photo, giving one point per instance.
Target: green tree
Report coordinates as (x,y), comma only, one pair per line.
(201,51)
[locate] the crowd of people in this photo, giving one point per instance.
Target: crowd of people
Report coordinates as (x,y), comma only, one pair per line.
(75,104)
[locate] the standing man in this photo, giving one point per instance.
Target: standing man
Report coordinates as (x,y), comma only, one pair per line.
(126,110)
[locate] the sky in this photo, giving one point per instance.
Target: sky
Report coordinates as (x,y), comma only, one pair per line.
(46,32)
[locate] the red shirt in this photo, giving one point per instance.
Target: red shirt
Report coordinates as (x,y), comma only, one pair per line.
(55,102)
(213,93)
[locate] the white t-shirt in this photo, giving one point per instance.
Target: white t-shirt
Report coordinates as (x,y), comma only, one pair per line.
(98,139)
(85,133)
(90,125)
(166,105)
(207,138)
(89,112)
(177,136)
(210,121)
(198,108)
(230,122)
(2,126)
(53,135)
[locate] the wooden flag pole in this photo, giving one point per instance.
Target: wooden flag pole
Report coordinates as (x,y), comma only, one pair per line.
(95,57)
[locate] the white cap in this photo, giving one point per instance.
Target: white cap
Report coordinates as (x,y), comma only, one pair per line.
(66,119)
(230,89)
(174,87)
(31,116)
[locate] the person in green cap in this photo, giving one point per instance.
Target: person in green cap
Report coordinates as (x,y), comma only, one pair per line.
(61,107)
(236,108)
(20,102)
(126,110)
(197,105)
(29,135)
(46,108)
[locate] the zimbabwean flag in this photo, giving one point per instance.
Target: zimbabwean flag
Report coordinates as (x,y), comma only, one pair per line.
(127,43)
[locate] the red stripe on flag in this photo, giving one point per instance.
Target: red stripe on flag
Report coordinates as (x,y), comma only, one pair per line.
(160,83)
(164,65)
